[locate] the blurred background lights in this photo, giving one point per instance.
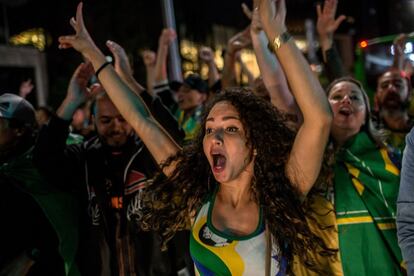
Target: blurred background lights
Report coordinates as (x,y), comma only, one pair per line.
(36,37)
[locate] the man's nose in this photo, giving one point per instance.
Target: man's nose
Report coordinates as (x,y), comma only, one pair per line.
(117,124)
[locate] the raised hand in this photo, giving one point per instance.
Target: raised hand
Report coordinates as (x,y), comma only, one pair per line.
(253,15)
(131,107)
(399,47)
(26,87)
(326,24)
(206,54)
(167,37)
(239,41)
(122,64)
(149,57)
(399,44)
(78,90)
(246,11)
(81,41)
(272,14)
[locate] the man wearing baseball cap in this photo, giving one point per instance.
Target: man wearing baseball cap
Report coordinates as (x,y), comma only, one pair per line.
(190,99)
(17,122)
(31,211)
(187,103)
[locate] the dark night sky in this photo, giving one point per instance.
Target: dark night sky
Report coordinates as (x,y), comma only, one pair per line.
(136,24)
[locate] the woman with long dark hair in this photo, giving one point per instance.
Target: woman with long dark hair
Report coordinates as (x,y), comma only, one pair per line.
(241,181)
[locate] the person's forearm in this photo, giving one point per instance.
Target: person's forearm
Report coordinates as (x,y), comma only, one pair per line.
(118,91)
(150,79)
(326,43)
(273,76)
(245,70)
(133,109)
(213,73)
(161,64)
(228,77)
(306,88)
(67,109)
(133,84)
(398,61)
(334,66)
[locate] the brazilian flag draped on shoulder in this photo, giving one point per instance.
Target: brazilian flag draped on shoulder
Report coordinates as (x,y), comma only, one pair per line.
(59,207)
(366,190)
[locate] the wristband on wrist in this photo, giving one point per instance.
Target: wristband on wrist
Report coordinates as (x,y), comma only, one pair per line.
(278,41)
(106,63)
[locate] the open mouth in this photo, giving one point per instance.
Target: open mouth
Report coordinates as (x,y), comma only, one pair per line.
(345,111)
(219,162)
(392,100)
(116,135)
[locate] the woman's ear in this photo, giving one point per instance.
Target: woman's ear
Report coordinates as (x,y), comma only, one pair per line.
(254,152)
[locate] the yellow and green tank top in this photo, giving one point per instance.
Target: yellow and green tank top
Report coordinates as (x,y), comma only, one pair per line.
(218,253)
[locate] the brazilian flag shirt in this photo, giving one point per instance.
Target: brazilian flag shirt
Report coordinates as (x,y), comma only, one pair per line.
(218,253)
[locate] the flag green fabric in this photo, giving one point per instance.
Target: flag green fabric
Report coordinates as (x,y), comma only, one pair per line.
(190,125)
(60,208)
(366,190)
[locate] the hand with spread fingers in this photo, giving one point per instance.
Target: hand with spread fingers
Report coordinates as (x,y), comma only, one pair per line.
(326,24)
(273,16)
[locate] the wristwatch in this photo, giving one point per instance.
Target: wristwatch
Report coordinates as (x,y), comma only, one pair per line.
(278,41)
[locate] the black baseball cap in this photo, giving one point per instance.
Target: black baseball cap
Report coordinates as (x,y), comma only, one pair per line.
(194,81)
(175,85)
(17,108)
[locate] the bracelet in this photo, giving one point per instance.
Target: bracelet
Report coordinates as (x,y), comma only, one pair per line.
(106,63)
(278,41)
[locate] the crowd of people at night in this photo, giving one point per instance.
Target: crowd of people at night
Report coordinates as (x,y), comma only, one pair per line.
(280,175)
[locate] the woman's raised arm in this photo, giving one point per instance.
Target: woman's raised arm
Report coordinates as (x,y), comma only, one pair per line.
(131,106)
(306,156)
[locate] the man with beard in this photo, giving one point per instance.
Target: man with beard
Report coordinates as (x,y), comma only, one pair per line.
(391,104)
(108,174)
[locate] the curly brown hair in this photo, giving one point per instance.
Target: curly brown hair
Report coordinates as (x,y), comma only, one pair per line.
(169,202)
